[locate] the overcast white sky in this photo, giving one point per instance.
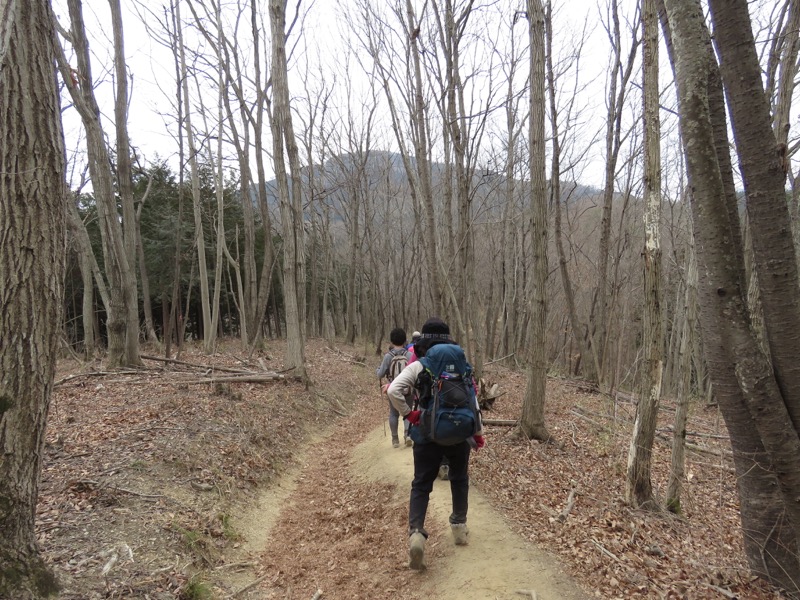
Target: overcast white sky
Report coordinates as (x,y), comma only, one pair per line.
(151,67)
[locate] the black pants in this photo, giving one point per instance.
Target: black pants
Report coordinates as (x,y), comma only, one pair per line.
(427,458)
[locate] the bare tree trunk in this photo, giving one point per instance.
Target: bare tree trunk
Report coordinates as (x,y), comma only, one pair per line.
(33,196)
(588,351)
(328,325)
(457,133)
(510,259)
(209,332)
(789,39)
(532,422)
(676,472)
(122,344)
(290,201)
(147,308)
(417,165)
(87,308)
(125,187)
(265,281)
(175,301)
(355,250)
(621,73)
(786,43)
(215,164)
(90,271)
(744,381)
(638,489)
(764,176)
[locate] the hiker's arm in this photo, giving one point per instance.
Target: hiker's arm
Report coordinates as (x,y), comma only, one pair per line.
(383,370)
(402,386)
(480,416)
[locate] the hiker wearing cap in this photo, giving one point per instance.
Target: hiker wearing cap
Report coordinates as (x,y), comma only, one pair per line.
(444,467)
(446,423)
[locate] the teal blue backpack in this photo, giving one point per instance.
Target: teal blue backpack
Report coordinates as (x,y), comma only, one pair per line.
(449,409)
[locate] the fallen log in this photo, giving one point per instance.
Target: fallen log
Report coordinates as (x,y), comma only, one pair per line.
(501,422)
(722,467)
(701,449)
(249,586)
(491,362)
(600,426)
(94,374)
(244,378)
(670,429)
(175,361)
(586,412)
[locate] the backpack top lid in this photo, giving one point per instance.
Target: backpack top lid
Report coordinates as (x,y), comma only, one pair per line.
(446,358)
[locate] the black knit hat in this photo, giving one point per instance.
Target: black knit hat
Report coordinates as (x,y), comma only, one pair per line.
(435,329)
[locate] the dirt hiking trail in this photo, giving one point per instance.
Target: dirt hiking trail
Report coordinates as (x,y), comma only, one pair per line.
(495,564)
(336,489)
(165,483)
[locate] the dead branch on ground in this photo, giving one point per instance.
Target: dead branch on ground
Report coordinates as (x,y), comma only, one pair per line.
(562,516)
(502,422)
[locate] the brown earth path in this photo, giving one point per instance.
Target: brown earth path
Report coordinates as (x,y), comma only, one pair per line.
(336,524)
(496,563)
(150,480)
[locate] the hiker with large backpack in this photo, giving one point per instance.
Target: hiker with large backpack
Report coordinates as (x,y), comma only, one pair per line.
(446,423)
(394,361)
(444,468)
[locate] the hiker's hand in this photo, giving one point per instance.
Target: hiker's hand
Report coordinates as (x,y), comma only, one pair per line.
(413,417)
(480,441)
(384,387)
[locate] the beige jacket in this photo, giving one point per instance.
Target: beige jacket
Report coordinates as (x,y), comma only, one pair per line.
(403,385)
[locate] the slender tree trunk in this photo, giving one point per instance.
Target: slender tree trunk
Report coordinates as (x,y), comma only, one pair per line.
(33,197)
(788,40)
(588,351)
(597,332)
(125,187)
(290,200)
(421,149)
(199,236)
(532,423)
(87,307)
(265,281)
(788,69)
(638,489)
(676,472)
(172,325)
(90,271)
(355,251)
(122,348)
(147,308)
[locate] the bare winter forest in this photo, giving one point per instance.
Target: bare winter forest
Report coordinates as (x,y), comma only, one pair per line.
(599,191)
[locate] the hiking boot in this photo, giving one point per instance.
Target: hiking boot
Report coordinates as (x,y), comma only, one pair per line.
(395,443)
(416,551)
(460,532)
(409,442)
(444,472)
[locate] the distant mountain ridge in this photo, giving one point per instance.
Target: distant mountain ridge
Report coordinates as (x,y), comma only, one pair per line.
(386,168)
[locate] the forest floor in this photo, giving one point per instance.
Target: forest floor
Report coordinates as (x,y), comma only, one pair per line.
(171,482)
